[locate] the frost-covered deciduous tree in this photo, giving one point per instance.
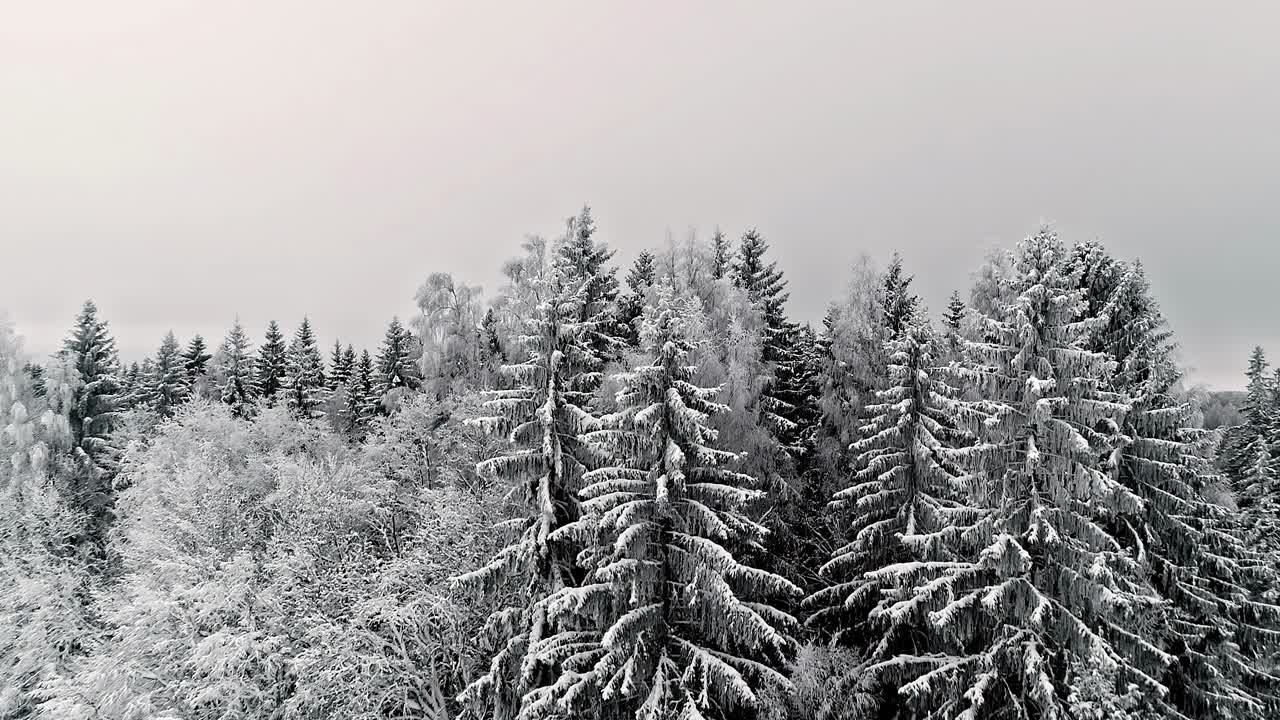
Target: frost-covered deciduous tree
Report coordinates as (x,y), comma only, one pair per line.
(45,624)
(669,623)
(449,327)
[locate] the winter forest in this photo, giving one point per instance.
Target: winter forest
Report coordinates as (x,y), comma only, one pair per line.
(640,490)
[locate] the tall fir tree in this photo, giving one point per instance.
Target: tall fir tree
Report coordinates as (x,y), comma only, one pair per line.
(1043,594)
(238,389)
(169,384)
(545,471)
(272,365)
(669,623)
(97,405)
(397,372)
(304,380)
(907,505)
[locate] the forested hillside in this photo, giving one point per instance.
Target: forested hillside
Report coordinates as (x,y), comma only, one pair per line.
(646,492)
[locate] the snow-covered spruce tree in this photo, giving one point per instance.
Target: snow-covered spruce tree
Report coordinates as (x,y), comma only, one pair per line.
(271,366)
(582,260)
(631,306)
(898,301)
(97,404)
(763,282)
(236,371)
(397,369)
(361,396)
(1044,586)
(169,384)
(669,623)
(348,364)
(721,254)
(954,316)
(338,371)
(303,385)
(1247,453)
(1194,562)
(906,508)
(545,471)
(196,360)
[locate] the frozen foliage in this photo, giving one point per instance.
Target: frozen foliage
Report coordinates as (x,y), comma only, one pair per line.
(267,573)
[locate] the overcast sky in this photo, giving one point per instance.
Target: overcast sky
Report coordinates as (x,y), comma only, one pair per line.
(185,162)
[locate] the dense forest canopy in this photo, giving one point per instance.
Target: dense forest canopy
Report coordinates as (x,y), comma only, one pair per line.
(647,492)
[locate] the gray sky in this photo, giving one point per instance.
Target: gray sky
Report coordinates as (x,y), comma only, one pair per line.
(182,162)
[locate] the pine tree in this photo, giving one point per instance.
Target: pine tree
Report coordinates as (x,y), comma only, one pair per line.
(272,365)
(669,623)
(907,505)
(169,384)
(1043,589)
(546,470)
(97,405)
(720,255)
(397,372)
(303,385)
(236,364)
(639,280)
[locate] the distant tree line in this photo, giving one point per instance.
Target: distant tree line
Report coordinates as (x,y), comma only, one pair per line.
(650,497)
